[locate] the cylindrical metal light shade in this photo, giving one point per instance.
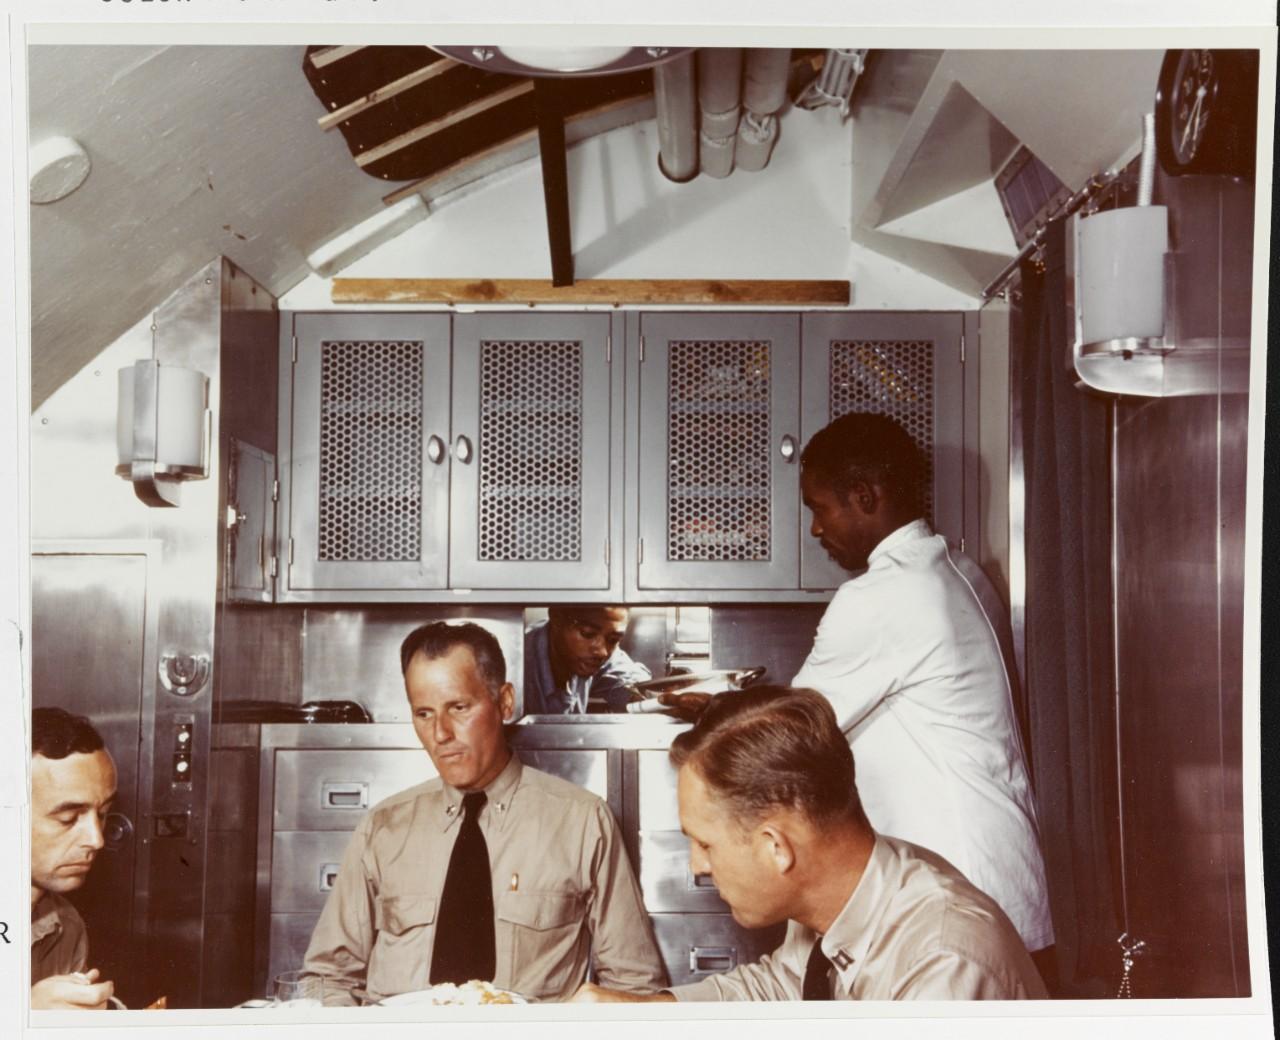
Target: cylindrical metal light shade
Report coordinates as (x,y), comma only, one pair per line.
(171,428)
(1121,270)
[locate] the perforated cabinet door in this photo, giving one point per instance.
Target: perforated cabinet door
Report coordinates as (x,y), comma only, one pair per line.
(531,451)
(719,421)
(369,505)
(904,365)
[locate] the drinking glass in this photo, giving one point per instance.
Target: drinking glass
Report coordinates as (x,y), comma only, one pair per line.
(297,989)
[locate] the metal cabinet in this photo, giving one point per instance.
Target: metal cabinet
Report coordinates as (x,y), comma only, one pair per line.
(368,495)
(724,405)
(718,432)
(251,496)
(431,454)
(531,451)
(909,366)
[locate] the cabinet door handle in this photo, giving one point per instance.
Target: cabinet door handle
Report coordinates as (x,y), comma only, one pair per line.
(462,448)
(435,449)
(344,795)
(707,960)
(788,448)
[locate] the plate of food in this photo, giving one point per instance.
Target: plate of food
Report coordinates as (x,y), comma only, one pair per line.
(474,993)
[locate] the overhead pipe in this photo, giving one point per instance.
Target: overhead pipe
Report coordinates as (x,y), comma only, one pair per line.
(719,103)
(764,92)
(674,97)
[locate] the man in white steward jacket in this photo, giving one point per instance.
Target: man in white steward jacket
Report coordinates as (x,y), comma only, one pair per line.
(912,654)
(767,797)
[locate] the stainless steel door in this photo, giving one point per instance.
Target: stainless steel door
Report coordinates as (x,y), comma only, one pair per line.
(253,535)
(370,473)
(91,650)
(906,366)
(719,470)
(531,451)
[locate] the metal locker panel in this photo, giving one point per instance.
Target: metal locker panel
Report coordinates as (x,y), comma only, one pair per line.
(290,935)
(251,472)
(906,366)
(657,809)
(89,608)
(531,451)
(369,494)
(588,769)
(304,865)
(719,427)
(666,880)
(323,790)
(694,946)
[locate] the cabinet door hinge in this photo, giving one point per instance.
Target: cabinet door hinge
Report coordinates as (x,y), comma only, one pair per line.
(273,567)
(962,348)
(275,491)
(642,350)
(295,350)
(962,543)
(290,552)
(608,348)
(639,550)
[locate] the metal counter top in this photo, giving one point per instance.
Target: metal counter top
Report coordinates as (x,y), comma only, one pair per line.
(621,732)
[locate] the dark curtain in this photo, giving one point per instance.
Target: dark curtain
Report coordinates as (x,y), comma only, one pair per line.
(1069,662)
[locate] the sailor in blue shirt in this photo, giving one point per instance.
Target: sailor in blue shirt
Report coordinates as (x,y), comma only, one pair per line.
(574,657)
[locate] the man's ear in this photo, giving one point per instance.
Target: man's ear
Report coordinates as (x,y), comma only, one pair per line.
(864,497)
(777,847)
(507,701)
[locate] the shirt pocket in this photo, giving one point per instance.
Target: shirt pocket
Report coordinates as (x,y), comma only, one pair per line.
(548,947)
(401,955)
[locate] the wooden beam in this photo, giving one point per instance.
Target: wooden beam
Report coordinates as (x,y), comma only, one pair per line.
(398,86)
(328,56)
(436,125)
(578,127)
(614,291)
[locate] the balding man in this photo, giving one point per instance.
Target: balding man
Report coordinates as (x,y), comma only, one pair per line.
(73,783)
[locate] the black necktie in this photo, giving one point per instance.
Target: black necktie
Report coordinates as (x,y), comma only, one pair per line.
(464,947)
(817,981)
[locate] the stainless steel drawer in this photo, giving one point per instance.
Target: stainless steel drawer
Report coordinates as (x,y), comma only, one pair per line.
(331,790)
(694,946)
(666,880)
(656,778)
(290,937)
(586,768)
(304,865)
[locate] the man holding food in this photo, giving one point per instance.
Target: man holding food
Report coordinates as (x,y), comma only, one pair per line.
(492,871)
(768,800)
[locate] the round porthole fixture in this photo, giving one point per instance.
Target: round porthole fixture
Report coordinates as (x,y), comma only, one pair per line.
(522,60)
(59,165)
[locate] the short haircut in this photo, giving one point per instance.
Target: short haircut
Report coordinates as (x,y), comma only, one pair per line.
(771,747)
(439,638)
(870,448)
(588,612)
(56,733)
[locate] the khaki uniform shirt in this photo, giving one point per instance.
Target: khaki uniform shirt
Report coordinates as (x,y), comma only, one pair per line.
(563,892)
(59,942)
(914,929)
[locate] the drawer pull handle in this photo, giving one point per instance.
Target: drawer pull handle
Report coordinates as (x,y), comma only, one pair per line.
(328,875)
(344,795)
(708,960)
(702,881)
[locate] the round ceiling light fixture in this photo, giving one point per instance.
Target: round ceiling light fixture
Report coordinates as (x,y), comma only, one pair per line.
(59,165)
(521,60)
